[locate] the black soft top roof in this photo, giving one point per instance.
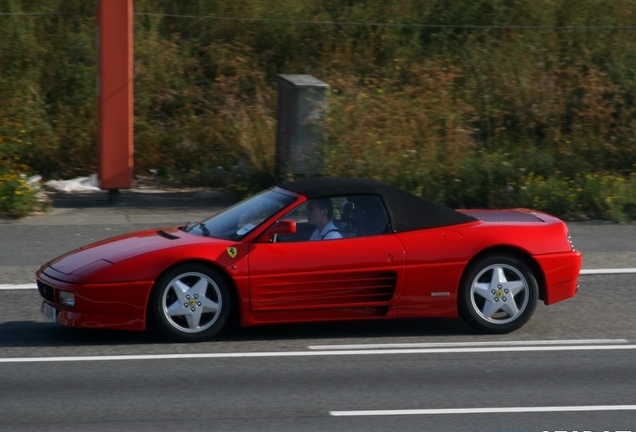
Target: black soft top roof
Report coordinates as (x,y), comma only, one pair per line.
(407,211)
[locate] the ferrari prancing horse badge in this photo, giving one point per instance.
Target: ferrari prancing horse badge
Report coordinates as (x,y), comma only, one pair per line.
(231,251)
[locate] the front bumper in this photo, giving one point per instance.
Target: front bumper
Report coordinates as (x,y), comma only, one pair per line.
(119,305)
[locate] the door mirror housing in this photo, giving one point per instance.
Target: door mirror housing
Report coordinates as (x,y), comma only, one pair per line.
(284,226)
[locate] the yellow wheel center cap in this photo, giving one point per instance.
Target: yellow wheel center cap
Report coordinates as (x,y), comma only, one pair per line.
(192,302)
(500,293)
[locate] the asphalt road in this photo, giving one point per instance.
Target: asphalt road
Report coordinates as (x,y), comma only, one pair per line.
(313,377)
(293,377)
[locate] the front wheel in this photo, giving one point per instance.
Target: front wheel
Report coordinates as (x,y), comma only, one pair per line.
(498,294)
(190,303)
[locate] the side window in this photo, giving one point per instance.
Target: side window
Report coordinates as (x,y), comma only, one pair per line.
(366,215)
(337,217)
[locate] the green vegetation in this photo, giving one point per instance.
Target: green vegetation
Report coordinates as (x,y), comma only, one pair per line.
(17,197)
(480,111)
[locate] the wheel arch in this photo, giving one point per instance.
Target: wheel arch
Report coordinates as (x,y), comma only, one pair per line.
(235,311)
(519,254)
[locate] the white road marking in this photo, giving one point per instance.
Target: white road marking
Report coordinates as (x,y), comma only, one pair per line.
(500,410)
(6,287)
(469,344)
(607,271)
(318,353)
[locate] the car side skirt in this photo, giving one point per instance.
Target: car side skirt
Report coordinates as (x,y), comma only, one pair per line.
(366,312)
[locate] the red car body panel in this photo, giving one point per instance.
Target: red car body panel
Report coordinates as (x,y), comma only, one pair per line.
(107,305)
(118,286)
(396,275)
(561,272)
(436,259)
(357,276)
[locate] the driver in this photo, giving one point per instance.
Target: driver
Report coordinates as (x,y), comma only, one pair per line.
(320,214)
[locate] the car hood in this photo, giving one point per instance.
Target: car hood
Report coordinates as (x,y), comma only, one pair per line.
(114,250)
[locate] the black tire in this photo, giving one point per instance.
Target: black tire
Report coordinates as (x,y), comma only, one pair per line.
(190,303)
(498,294)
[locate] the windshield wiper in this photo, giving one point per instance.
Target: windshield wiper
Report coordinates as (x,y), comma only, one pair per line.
(188,226)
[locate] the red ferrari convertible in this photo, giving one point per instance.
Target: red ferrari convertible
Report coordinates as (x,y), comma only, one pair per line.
(318,250)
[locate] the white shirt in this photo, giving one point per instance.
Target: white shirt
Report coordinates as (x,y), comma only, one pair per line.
(330,231)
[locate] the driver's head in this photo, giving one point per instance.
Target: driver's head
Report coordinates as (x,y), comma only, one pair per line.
(319,211)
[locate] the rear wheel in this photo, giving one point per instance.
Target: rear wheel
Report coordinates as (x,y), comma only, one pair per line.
(190,303)
(498,294)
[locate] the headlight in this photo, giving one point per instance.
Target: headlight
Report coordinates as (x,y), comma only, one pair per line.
(66,298)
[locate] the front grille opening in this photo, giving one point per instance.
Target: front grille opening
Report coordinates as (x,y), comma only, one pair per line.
(46,291)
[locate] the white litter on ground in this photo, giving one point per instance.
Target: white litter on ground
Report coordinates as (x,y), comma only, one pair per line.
(74,185)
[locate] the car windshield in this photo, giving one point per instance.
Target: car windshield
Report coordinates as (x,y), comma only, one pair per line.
(237,221)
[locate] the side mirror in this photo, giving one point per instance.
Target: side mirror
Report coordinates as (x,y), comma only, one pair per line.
(284,226)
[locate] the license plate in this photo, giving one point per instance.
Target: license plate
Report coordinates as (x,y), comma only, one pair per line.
(49,312)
